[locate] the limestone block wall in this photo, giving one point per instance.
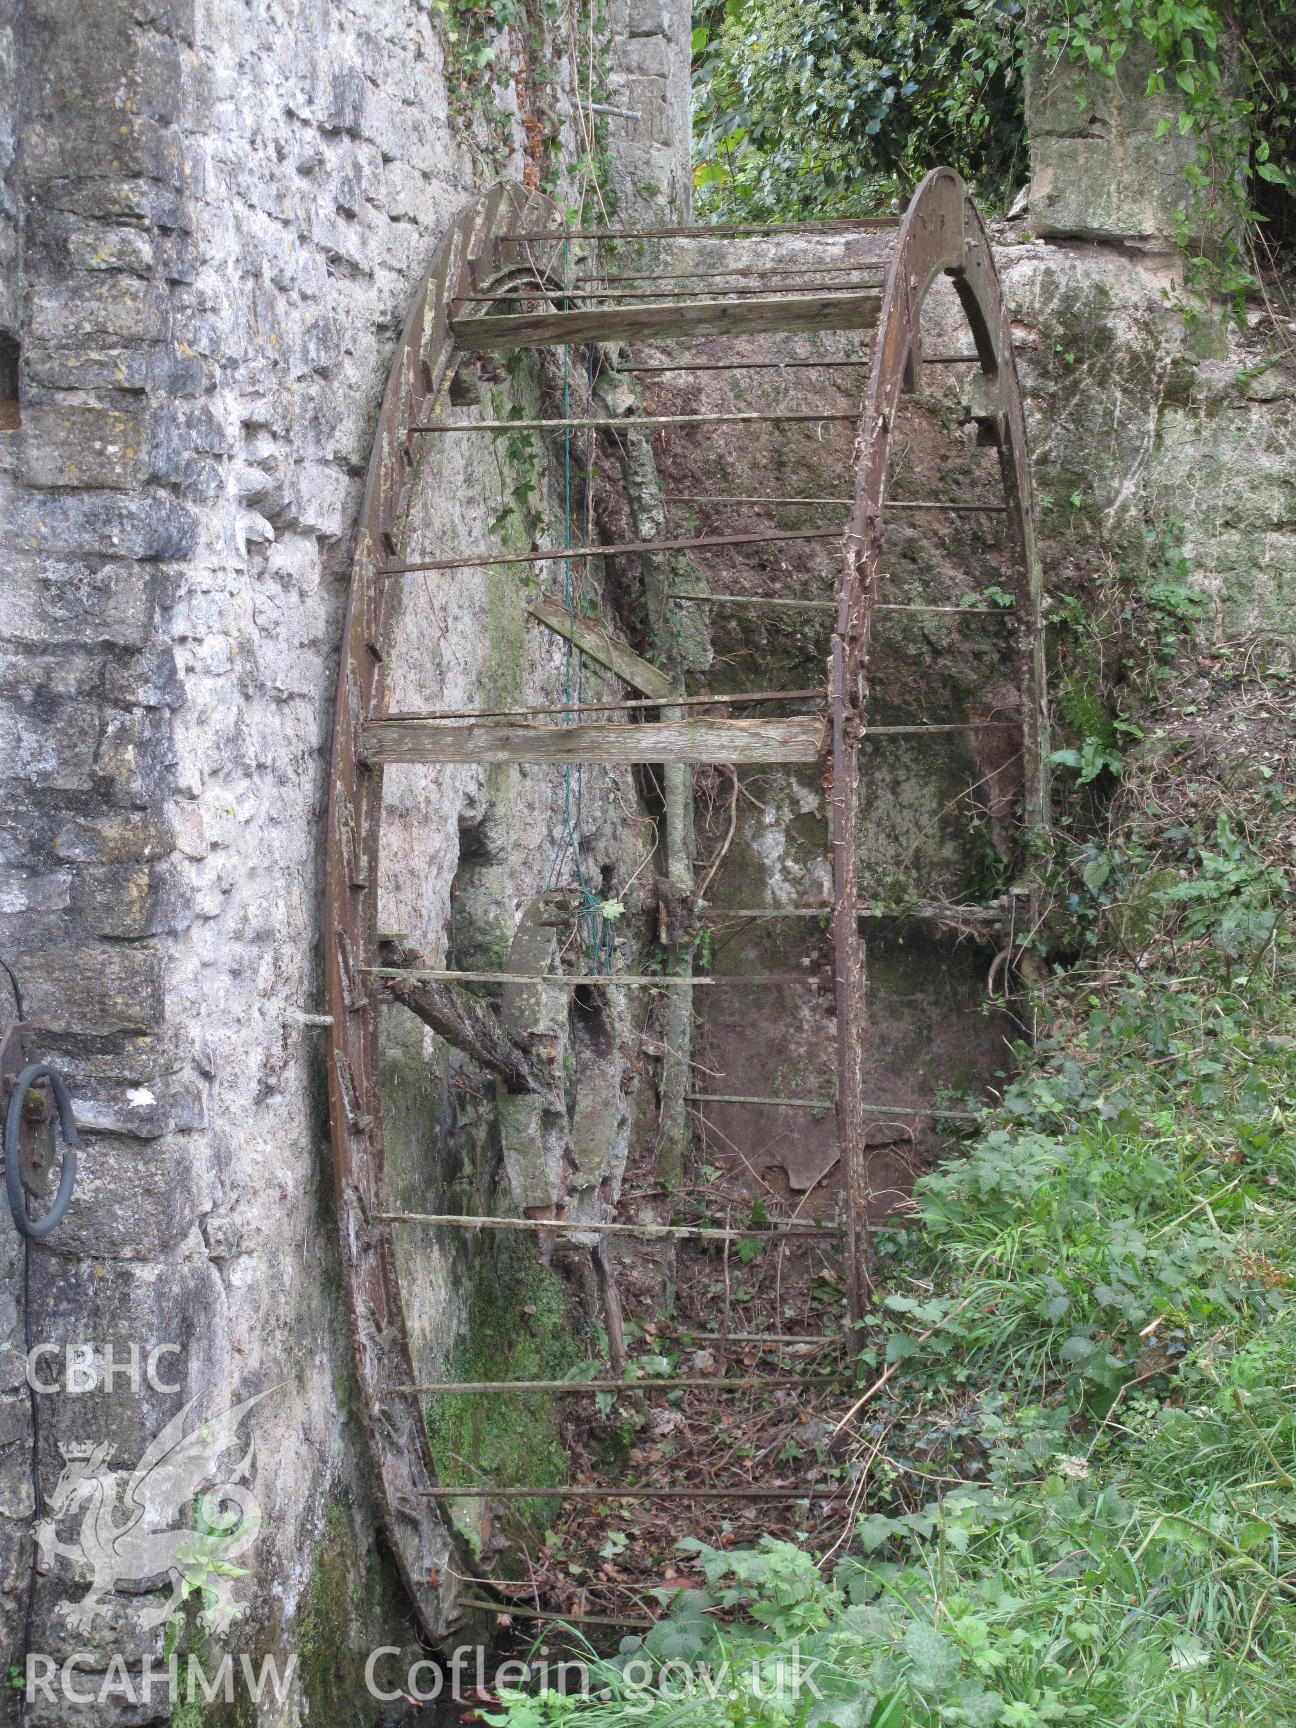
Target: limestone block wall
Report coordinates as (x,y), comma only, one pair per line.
(212,219)
(1098,170)
(1135,430)
(649,108)
(214,216)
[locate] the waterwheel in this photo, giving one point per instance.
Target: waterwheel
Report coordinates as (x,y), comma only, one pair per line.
(538,1003)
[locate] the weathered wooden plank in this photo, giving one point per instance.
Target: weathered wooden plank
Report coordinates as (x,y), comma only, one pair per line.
(740,741)
(601,645)
(665,320)
(775,1231)
(587,1388)
(605,980)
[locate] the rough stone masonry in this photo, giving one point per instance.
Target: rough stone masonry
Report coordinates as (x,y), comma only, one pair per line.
(213,216)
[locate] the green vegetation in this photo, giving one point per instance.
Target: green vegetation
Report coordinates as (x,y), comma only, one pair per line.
(518,1329)
(827,108)
(324,1628)
(830,108)
(504,60)
(1080,1478)
(1231,69)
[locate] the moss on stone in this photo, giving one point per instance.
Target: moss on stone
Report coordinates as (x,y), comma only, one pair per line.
(519,1328)
(332,1675)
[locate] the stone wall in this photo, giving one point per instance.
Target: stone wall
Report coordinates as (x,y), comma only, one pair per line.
(1098,169)
(649,109)
(1142,421)
(1107,155)
(1139,428)
(213,220)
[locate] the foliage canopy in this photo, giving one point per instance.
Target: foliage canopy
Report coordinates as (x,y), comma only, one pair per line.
(831,108)
(823,107)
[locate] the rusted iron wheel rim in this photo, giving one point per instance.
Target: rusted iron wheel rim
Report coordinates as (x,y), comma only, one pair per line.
(941,233)
(471,259)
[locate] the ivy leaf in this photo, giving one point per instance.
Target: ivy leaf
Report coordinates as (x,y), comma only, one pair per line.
(1096,872)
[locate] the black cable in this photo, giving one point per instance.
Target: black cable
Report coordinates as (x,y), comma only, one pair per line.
(13,984)
(38,1504)
(30,1076)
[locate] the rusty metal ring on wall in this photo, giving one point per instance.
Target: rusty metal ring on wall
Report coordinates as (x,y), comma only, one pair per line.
(39,1227)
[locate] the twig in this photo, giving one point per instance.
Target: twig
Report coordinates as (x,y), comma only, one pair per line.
(716,862)
(888,1371)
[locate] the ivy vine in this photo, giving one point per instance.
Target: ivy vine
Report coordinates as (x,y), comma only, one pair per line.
(1230,70)
(504,63)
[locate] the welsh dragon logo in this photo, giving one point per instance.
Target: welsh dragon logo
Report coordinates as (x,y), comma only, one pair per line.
(134,1534)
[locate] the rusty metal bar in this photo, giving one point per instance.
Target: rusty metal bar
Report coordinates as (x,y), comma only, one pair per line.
(586,1491)
(674,701)
(772,1103)
(754,498)
(718,231)
(944,506)
(695,1232)
(571,980)
(739,365)
(831,605)
(691,543)
(814,1338)
(762,270)
(888,503)
(634,1623)
(633,422)
(825,364)
(830,1103)
(695,1382)
(920,606)
(709,911)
